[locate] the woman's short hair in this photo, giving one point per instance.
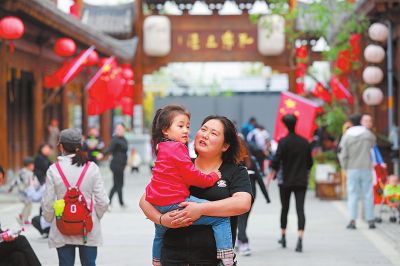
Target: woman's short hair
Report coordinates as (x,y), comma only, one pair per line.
(289,121)
(231,155)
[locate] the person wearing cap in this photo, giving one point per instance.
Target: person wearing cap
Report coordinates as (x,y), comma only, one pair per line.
(72,162)
(22,182)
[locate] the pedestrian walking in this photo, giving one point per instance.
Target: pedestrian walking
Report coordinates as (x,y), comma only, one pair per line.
(42,162)
(93,144)
(292,163)
(74,168)
(53,135)
(118,149)
(242,243)
(355,158)
(217,148)
(22,182)
(249,126)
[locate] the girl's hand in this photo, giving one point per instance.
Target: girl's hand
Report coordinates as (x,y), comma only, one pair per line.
(192,210)
(176,219)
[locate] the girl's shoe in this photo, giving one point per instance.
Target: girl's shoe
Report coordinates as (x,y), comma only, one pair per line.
(299,246)
(282,241)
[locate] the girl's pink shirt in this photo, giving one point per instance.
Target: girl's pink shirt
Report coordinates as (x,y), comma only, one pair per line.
(173,174)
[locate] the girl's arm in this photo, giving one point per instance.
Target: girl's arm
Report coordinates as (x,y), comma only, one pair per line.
(166,219)
(239,203)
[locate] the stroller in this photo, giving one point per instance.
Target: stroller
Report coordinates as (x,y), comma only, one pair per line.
(390,198)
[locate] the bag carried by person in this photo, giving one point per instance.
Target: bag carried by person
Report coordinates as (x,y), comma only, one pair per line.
(76,219)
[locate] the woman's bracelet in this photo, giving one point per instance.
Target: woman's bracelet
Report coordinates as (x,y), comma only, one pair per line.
(160,219)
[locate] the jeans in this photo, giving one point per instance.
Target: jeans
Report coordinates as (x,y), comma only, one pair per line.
(360,181)
(66,255)
(221,227)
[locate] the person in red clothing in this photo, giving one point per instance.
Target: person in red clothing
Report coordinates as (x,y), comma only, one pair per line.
(173,174)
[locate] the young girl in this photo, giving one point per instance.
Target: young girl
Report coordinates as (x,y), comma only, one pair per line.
(174,173)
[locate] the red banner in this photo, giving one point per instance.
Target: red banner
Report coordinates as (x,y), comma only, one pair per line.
(305,111)
(68,71)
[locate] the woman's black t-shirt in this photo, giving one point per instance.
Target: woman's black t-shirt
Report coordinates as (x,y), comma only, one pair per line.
(195,245)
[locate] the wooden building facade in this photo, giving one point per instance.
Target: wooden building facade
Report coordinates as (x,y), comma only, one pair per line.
(26,107)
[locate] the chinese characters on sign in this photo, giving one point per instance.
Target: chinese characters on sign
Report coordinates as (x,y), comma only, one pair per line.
(228,40)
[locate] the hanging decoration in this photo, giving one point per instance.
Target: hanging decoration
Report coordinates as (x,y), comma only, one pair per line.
(65,47)
(301,69)
(372,96)
(374,54)
(372,75)
(93,59)
(11,28)
(378,32)
(271,39)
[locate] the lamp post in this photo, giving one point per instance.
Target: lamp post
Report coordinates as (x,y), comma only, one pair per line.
(393,130)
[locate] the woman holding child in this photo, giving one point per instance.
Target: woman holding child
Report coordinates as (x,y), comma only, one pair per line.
(217,151)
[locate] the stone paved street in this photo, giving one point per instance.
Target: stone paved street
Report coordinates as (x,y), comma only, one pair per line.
(128,235)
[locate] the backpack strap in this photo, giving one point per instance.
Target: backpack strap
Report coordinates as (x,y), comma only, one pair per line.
(64,179)
(80,181)
(82,174)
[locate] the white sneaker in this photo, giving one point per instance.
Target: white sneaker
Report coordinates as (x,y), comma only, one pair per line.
(244,249)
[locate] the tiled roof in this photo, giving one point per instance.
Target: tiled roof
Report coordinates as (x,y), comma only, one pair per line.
(49,15)
(115,20)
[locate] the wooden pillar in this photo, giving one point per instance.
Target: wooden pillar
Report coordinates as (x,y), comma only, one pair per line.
(38,117)
(138,61)
(3,106)
(64,108)
(105,127)
(84,102)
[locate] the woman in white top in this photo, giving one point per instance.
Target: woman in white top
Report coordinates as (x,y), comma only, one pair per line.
(72,162)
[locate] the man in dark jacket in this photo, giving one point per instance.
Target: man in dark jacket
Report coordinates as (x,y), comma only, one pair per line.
(42,162)
(118,149)
(292,162)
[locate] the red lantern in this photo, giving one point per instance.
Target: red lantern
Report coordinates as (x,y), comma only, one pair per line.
(355,47)
(301,70)
(127,73)
(343,61)
(65,47)
(11,28)
(301,52)
(93,59)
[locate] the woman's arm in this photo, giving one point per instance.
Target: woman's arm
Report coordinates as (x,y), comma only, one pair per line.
(239,203)
(164,219)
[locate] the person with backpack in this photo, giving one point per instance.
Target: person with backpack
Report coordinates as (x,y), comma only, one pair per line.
(74,202)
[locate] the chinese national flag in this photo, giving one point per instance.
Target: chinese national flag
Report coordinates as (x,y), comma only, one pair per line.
(305,111)
(126,104)
(95,107)
(340,91)
(107,85)
(321,92)
(68,71)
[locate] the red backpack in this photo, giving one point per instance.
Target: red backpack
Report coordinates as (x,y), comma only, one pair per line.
(77,217)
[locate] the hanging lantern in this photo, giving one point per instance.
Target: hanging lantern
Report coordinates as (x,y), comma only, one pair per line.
(355,47)
(11,28)
(372,96)
(378,32)
(374,54)
(372,75)
(127,72)
(301,52)
(157,36)
(65,47)
(271,39)
(92,59)
(343,62)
